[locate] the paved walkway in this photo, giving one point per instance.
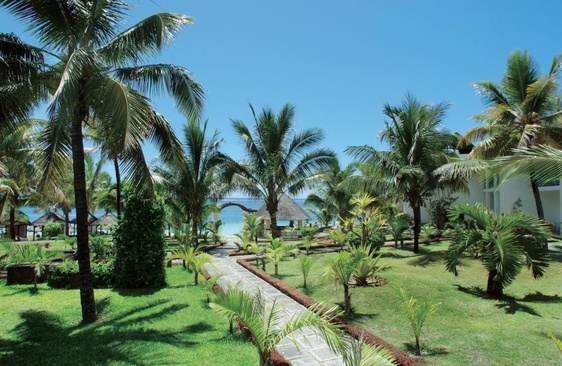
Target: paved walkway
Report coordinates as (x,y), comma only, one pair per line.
(310,350)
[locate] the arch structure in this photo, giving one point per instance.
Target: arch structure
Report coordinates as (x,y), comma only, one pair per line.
(242,207)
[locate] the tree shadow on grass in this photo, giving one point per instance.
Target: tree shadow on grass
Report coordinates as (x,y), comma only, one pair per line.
(139,292)
(425,259)
(509,304)
(393,254)
(425,351)
(556,256)
(42,339)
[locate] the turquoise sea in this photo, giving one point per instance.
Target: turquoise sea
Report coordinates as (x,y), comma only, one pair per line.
(232,216)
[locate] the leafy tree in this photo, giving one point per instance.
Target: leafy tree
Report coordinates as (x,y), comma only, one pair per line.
(92,81)
(277,159)
(417,313)
(139,244)
(418,146)
(505,244)
(521,112)
(266,321)
(193,182)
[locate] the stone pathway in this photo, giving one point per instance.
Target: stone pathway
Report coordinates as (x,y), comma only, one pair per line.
(309,350)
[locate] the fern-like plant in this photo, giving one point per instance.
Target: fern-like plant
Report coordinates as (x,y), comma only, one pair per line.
(417,313)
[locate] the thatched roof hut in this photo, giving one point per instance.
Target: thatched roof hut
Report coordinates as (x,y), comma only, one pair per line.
(288,210)
(91,219)
(107,219)
(47,218)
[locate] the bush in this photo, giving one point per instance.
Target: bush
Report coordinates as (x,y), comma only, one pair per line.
(139,244)
(67,276)
(52,230)
(308,231)
(101,248)
(69,240)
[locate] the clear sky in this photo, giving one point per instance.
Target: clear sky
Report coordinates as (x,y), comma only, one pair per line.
(338,62)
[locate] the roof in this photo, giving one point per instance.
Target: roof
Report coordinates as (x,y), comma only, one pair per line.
(49,217)
(91,219)
(106,219)
(287,210)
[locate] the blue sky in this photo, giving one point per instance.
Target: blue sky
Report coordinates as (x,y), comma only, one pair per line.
(338,62)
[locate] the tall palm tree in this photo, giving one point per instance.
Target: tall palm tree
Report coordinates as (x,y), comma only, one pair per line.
(417,148)
(520,112)
(92,81)
(505,244)
(330,197)
(194,182)
(278,160)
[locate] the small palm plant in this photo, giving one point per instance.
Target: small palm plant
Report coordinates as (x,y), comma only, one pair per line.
(397,224)
(340,270)
(277,250)
(365,263)
(556,341)
(417,313)
(427,231)
(304,263)
(267,324)
(338,236)
(197,262)
(360,353)
(504,243)
(194,258)
(253,226)
(307,244)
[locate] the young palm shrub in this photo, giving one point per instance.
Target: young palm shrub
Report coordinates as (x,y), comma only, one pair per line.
(338,236)
(277,250)
(33,255)
(197,262)
(427,231)
(305,263)
(194,259)
(366,265)
(267,326)
(417,313)
(253,226)
(340,270)
(397,224)
(505,243)
(360,353)
(307,244)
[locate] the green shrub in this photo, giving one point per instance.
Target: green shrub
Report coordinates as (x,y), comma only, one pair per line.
(69,240)
(52,230)
(101,248)
(66,275)
(139,244)
(308,231)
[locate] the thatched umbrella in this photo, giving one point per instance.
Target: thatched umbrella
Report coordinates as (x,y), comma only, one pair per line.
(107,219)
(47,218)
(288,210)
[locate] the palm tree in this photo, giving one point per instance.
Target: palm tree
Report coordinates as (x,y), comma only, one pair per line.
(267,324)
(330,196)
(417,148)
(505,244)
(520,112)
(278,160)
(194,182)
(92,81)
(340,270)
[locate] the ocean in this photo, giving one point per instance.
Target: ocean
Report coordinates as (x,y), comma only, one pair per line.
(232,217)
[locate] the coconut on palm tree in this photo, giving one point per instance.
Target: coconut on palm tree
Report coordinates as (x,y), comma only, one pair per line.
(506,243)
(95,79)
(278,160)
(418,146)
(521,112)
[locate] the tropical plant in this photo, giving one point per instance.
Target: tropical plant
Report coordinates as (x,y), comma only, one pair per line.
(304,264)
(339,270)
(505,243)
(438,210)
(307,244)
(277,160)
(33,255)
(521,112)
(252,227)
(52,230)
(427,232)
(417,313)
(267,323)
(365,263)
(210,283)
(360,353)
(417,147)
(193,182)
(338,236)
(277,250)
(330,197)
(396,225)
(92,81)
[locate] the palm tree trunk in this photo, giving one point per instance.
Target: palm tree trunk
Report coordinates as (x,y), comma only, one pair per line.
(346,299)
(538,200)
(274,229)
(194,230)
(493,287)
(87,299)
(417,224)
(13,223)
(118,187)
(66,223)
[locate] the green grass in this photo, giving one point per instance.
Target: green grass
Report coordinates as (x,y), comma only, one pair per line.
(469,328)
(172,326)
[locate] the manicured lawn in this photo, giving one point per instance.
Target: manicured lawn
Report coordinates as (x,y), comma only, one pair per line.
(469,328)
(170,326)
